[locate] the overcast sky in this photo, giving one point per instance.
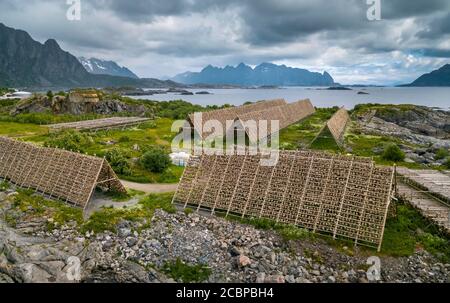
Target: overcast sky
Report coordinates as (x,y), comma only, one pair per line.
(165,37)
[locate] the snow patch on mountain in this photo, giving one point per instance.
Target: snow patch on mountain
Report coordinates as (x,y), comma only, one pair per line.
(103,67)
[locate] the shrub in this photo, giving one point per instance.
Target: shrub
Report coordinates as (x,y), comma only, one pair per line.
(70,140)
(393,153)
(50,95)
(447,163)
(442,153)
(118,161)
(155,160)
(186,273)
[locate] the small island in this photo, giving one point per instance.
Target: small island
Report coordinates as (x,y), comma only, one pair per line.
(338,88)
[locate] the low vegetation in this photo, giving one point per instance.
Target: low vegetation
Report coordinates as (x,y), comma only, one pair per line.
(409,231)
(447,163)
(27,205)
(182,272)
(21,130)
(301,134)
(5,90)
(442,153)
(70,140)
(118,160)
(107,219)
(47,118)
(286,231)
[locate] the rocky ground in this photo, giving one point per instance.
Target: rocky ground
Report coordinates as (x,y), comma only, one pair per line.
(420,126)
(231,251)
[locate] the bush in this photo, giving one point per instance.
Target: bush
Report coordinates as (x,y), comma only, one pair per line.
(442,153)
(155,160)
(118,161)
(393,153)
(447,163)
(70,140)
(50,95)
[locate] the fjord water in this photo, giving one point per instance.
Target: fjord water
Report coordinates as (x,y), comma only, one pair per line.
(438,97)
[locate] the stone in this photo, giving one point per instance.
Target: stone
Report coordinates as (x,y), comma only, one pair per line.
(234,251)
(124,232)
(289,279)
(131,241)
(302,280)
(363,280)
(261,277)
(243,261)
(275,279)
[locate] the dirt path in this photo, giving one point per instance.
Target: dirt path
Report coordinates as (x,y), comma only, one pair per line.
(150,188)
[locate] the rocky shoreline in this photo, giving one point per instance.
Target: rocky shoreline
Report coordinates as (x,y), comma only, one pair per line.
(420,126)
(231,251)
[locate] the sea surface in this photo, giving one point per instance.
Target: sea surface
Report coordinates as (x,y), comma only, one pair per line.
(438,97)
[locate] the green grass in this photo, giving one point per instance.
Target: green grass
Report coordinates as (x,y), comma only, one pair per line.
(286,231)
(16,130)
(301,134)
(48,118)
(4,186)
(409,230)
(325,141)
(182,272)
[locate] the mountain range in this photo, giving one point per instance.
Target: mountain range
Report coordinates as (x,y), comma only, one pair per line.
(103,67)
(25,62)
(439,77)
(263,74)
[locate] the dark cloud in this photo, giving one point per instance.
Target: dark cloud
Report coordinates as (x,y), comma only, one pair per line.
(146,10)
(394,9)
(436,27)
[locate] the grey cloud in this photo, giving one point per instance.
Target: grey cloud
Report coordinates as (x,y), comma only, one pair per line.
(436,27)
(394,9)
